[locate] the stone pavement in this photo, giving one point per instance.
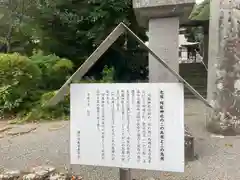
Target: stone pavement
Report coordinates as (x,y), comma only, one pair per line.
(38,173)
(48,144)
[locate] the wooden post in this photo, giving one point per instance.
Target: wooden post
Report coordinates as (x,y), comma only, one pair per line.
(125,174)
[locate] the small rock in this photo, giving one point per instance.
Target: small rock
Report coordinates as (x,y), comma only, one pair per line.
(5,128)
(3,177)
(57,177)
(29,177)
(56,127)
(76,177)
(150,178)
(10,175)
(42,171)
(1,136)
(229,145)
(21,130)
(217,136)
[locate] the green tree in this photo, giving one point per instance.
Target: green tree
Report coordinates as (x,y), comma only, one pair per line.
(13,23)
(73,29)
(201,12)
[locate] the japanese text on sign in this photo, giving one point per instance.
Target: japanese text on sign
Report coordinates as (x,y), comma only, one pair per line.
(128,125)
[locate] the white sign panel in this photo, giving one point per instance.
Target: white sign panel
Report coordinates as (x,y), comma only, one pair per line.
(137,125)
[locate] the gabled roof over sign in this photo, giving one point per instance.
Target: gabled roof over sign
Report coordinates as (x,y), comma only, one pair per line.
(93,58)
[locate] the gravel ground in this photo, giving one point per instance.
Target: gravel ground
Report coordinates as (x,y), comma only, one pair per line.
(218,158)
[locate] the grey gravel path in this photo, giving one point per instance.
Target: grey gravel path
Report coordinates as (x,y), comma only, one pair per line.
(49,144)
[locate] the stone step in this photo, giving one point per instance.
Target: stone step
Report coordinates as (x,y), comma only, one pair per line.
(191,96)
(200,91)
(194,72)
(200,87)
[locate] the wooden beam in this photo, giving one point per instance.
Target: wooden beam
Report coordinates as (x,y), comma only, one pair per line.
(84,68)
(118,31)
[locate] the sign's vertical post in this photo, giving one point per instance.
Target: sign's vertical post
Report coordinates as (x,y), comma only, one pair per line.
(125,174)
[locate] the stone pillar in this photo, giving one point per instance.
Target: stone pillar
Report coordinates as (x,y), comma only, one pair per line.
(162,18)
(224,67)
(163,39)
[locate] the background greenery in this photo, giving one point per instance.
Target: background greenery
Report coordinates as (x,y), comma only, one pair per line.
(42,42)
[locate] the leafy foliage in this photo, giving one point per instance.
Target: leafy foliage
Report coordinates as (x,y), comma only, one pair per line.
(18,79)
(201,12)
(67,32)
(107,74)
(41,112)
(55,70)
(61,110)
(26,83)
(73,28)
(14,19)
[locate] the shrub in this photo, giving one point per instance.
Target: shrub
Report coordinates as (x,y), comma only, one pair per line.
(107,75)
(41,112)
(62,109)
(55,70)
(18,79)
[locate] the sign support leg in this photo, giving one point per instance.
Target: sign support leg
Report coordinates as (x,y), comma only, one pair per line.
(125,174)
